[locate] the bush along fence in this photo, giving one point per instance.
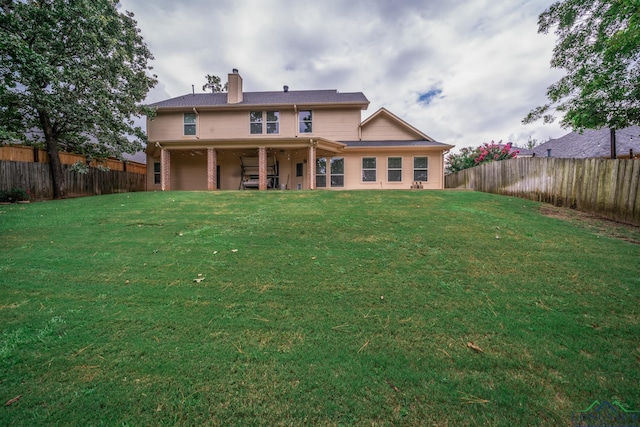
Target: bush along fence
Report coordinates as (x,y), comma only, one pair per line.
(604,187)
(35,178)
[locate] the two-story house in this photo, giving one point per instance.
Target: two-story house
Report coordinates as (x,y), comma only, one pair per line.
(286,140)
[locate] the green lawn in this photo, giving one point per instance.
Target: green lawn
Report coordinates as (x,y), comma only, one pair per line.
(311,308)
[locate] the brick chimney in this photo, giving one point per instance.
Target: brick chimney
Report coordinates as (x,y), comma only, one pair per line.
(234,92)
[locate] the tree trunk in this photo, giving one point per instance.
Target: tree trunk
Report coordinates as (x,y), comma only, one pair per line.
(51,140)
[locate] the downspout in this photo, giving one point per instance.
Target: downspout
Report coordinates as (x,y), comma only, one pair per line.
(197,123)
(157,144)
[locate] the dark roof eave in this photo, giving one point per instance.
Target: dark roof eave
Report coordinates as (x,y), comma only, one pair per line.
(396,144)
(244,106)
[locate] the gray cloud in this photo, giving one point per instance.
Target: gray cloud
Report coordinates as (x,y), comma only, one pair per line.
(485,57)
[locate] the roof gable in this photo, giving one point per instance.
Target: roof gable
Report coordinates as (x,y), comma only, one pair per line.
(384,125)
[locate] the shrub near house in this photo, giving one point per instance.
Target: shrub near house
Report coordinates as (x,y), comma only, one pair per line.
(487,152)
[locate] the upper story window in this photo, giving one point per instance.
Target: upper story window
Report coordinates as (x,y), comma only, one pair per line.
(257,121)
(305,124)
(273,122)
(189,123)
(394,169)
(368,169)
(421,169)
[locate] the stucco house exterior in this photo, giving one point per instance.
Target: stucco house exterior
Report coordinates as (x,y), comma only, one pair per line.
(313,139)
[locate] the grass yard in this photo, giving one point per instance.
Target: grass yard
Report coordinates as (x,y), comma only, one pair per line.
(312,308)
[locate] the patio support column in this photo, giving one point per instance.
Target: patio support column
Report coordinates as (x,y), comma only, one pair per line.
(165,170)
(212,167)
(312,166)
(262,168)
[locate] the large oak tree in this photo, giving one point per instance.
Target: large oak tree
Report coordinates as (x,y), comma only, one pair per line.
(73,75)
(598,46)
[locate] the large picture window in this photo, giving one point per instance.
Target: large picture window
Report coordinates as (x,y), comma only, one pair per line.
(321,172)
(394,169)
(369,169)
(305,124)
(421,169)
(337,172)
(189,123)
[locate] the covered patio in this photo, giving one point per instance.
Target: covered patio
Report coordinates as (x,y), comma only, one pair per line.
(241,164)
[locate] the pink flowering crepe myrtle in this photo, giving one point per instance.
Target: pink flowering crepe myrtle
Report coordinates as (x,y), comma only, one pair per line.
(493,151)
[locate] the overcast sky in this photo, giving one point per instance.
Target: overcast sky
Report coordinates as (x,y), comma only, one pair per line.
(463,72)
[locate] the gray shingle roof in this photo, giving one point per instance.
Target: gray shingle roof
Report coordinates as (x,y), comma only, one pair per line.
(139,157)
(591,144)
(416,143)
(299,97)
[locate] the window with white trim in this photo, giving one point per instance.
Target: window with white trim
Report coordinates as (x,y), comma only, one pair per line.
(394,169)
(369,169)
(257,120)
(273,122)
(156,173)
(305,124)
(321,172)
(421,169)
(337,172)
(189,124)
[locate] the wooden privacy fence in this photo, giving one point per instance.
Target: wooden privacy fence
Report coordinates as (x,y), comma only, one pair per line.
(21,153)
(36,177)
(605,187)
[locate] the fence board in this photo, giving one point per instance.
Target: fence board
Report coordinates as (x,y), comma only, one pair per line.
(609,188)
(21,153)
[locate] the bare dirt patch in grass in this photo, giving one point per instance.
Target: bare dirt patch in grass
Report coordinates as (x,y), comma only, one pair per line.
(599,226)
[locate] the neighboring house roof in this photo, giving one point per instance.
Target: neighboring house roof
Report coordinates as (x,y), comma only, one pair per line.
(523,152)
(139,157)
(591,144)
(295,97)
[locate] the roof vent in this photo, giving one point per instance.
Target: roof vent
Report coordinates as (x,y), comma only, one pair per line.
(286,88)
(235,71)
